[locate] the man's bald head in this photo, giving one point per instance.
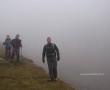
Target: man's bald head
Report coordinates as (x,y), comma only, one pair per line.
(8,36)
(49,40)
(17,36)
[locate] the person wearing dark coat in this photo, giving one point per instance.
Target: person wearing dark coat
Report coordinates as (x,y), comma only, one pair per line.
(51,51)
(16,45)
(8,47)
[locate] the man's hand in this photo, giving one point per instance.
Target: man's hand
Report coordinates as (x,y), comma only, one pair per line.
(43,60)
(3,43)
(58,58)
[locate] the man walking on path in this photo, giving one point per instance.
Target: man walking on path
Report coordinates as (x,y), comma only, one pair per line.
(16,44)
(7,45)
(51,51)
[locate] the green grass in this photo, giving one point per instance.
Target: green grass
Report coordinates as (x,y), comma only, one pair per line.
(1,52)
(26,76)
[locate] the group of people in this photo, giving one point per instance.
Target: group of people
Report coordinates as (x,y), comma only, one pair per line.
(12,47)
(50,51)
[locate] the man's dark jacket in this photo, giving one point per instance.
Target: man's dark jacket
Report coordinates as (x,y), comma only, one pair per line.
(16,43)
(50,50)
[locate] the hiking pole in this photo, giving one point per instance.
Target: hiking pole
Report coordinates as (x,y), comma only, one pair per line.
(2,46)
(21,54)
(3,49)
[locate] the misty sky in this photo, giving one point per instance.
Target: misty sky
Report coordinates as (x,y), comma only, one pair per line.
(86,23)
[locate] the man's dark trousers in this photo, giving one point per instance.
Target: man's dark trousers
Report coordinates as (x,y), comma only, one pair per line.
(16,51)
(7,52)
(52,66)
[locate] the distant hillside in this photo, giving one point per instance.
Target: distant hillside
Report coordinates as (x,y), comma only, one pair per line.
(26,76)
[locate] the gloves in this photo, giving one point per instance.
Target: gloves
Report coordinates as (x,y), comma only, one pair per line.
(58,58)
(43,60)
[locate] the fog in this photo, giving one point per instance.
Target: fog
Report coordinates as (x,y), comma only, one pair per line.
(80,28)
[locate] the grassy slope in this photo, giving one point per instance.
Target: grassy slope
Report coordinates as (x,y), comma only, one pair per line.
(26,76)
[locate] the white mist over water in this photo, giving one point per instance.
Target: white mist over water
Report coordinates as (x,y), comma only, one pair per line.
(80,28)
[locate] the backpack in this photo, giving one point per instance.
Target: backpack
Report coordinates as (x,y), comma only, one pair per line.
(50,50)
